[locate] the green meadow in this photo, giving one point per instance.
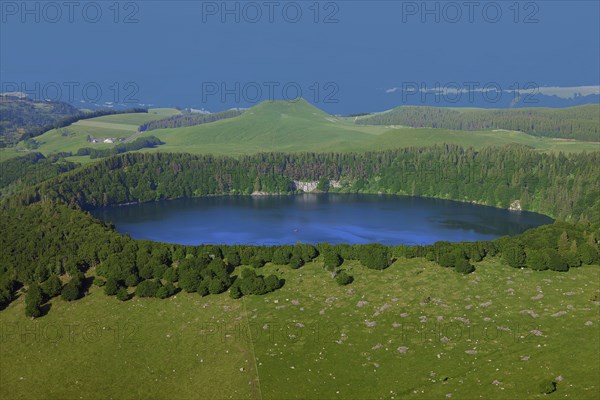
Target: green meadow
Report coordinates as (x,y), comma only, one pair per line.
(414,330)
(74,137)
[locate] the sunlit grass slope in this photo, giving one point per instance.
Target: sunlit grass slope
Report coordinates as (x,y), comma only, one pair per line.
(414,330)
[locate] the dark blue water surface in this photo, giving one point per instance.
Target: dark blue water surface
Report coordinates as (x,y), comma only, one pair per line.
(313,218)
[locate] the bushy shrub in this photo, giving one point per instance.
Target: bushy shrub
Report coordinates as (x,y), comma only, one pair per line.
(122,294)
(281,256)
(202,287)
(235,292)
(374,256)
(537,260)
(33,300)
(446,260)
(556,262)
(257,261)
(189,280)
(111,287)
(588,254)
(71,291)
(332,260)
(216,286)
(52,287)
(147,288)
(514,255)
(170,275)
(309,252)
(272,283)
(132,280)
(547,386)
(296,262)
(464,267)
(342,278)
(165,291)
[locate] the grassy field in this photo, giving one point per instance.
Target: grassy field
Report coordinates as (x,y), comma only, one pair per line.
(74,137)
(287,127)
(415,330)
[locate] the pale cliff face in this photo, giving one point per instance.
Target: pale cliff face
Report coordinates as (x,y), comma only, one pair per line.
(515,205)
(311,186)
(306,186)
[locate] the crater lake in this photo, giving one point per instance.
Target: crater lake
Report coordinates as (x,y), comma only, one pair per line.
(314,218)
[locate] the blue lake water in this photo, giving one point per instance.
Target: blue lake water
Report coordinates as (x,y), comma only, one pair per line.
(313,218)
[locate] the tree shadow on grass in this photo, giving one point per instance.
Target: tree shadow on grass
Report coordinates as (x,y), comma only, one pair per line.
(45,309)
(85,286)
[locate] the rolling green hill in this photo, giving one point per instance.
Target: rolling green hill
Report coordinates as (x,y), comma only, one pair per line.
(286,127)
(299,126)
(269,126)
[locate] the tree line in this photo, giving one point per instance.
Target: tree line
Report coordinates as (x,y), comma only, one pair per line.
(145,142)
(579,122)
(562,186)
(188,119)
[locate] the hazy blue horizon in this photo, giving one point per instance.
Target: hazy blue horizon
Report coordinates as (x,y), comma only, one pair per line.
(343,56)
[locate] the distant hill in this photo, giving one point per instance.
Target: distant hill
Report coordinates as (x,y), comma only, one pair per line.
(271,125)
(580,123)
(299,126)
(280,126)
(21,116)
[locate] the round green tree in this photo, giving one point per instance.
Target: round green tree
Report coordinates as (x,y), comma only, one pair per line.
(70,292)
(53,286)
